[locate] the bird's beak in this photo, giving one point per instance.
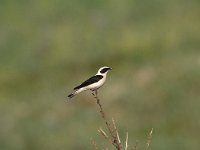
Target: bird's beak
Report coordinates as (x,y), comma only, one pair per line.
(110,69)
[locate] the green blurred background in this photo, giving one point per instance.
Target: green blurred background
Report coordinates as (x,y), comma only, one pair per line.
(48,47)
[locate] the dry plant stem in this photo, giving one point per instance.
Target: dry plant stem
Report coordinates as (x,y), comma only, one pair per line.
(94,144)
(102,113)
(126,142)
(117,139)
(114,136)
(103,133)
(149,139)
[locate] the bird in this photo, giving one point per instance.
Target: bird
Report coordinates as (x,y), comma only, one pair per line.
(93,83)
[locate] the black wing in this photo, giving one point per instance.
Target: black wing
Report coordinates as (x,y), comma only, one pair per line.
(91,80)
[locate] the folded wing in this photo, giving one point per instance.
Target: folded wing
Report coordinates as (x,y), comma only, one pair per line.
(90,81)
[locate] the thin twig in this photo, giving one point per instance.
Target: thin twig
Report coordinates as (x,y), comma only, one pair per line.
(94,144)
(149,139)
(114,125)
(117,139)
(126,142)
(114,136)
(103,133)
(102,113)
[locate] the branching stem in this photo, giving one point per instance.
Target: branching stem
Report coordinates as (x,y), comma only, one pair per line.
(114,136)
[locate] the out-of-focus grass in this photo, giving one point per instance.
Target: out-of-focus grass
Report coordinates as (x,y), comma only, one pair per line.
(46,48)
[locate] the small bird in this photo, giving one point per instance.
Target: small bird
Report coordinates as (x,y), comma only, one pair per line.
(93,83)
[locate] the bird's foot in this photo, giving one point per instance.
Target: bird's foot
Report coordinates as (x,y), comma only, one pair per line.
(94,93)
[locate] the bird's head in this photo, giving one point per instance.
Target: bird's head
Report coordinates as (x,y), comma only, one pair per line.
(104,70)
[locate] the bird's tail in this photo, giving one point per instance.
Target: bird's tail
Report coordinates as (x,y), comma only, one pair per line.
(75,92)
(71,95)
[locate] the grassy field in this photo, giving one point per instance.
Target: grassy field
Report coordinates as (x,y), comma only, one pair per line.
(48,47)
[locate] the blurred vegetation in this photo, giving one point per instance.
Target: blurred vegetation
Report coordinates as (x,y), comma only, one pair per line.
(48,47)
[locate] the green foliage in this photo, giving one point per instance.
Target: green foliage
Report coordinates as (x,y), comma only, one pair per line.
(47,47)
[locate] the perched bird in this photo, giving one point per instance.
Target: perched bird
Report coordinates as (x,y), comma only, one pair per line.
(93,83)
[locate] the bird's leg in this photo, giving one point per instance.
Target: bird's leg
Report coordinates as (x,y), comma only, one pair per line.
(96,96)
(96,93)
(93,93)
